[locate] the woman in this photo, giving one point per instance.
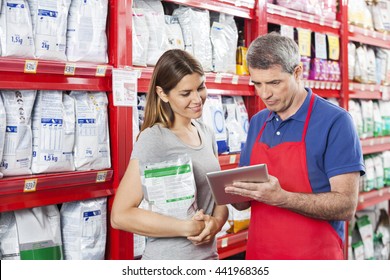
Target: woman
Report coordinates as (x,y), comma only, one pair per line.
(174,104)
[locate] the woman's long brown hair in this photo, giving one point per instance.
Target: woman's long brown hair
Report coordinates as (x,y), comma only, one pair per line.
(172,66)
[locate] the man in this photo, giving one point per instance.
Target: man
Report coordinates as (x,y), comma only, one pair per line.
(313,155)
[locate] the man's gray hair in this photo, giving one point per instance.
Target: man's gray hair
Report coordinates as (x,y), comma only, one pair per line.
(273,49)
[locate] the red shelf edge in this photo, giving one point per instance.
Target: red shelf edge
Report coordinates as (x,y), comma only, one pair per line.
(54,196)
(375,144)
(231,244)
(367,36)
(373,197)
(16,185)
(53,67)
(284,16)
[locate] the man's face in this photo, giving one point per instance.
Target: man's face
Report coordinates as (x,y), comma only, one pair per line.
(277,89)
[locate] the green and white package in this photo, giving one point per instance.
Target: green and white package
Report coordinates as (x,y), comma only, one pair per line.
(169,186)
(39,232)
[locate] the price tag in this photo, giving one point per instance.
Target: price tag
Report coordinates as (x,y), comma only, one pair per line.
(235,79)
(101,176)
(232,159)
(30,185)
(218,78)
(31,66)
(124,87)
(333,47)
(70,69)
(101,70)
(304,41)
(224,242)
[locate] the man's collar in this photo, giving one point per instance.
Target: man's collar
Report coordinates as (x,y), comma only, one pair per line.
(300,115)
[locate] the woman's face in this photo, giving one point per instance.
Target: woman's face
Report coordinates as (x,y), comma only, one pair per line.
(188,97)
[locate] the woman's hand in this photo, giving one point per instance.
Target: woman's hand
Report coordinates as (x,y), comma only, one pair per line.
(211,228)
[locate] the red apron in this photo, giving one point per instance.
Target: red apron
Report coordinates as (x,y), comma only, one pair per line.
(280,234)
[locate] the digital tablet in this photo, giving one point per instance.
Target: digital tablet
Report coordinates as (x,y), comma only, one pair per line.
(218,180)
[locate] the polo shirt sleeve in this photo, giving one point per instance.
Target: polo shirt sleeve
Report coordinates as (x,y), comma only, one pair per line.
(343,152)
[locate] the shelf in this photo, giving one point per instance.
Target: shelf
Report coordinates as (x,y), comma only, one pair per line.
(365,91)
(217,83)
(375,144)
(44,189)
(373,197)
(324,88)
(283,16)
(228,7)
(369,37)
(67,68)
(232,244)
(19,73)
(229,161)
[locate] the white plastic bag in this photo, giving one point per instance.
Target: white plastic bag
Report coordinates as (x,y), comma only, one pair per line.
(39,232)
(9,242)
(92,142)
(53,127)
(195,24)
(140,37)
(49,21)
(224,37)
(84,229)
(18,137)
(86,38)
(16,34)
(154,15)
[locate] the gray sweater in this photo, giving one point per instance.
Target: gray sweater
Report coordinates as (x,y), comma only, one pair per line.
(158,143)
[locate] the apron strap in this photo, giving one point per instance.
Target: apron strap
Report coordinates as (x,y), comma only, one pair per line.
(308,117)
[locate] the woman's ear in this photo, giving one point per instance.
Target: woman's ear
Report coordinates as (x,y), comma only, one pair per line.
(161,94)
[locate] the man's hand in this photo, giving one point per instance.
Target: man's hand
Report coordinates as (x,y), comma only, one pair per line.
(268,192)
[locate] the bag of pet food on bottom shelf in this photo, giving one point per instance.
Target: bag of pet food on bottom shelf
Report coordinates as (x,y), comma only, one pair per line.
(9,242)
(39,233)
(84,229)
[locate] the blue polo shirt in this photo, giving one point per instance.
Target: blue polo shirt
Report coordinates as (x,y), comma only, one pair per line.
(332,144)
